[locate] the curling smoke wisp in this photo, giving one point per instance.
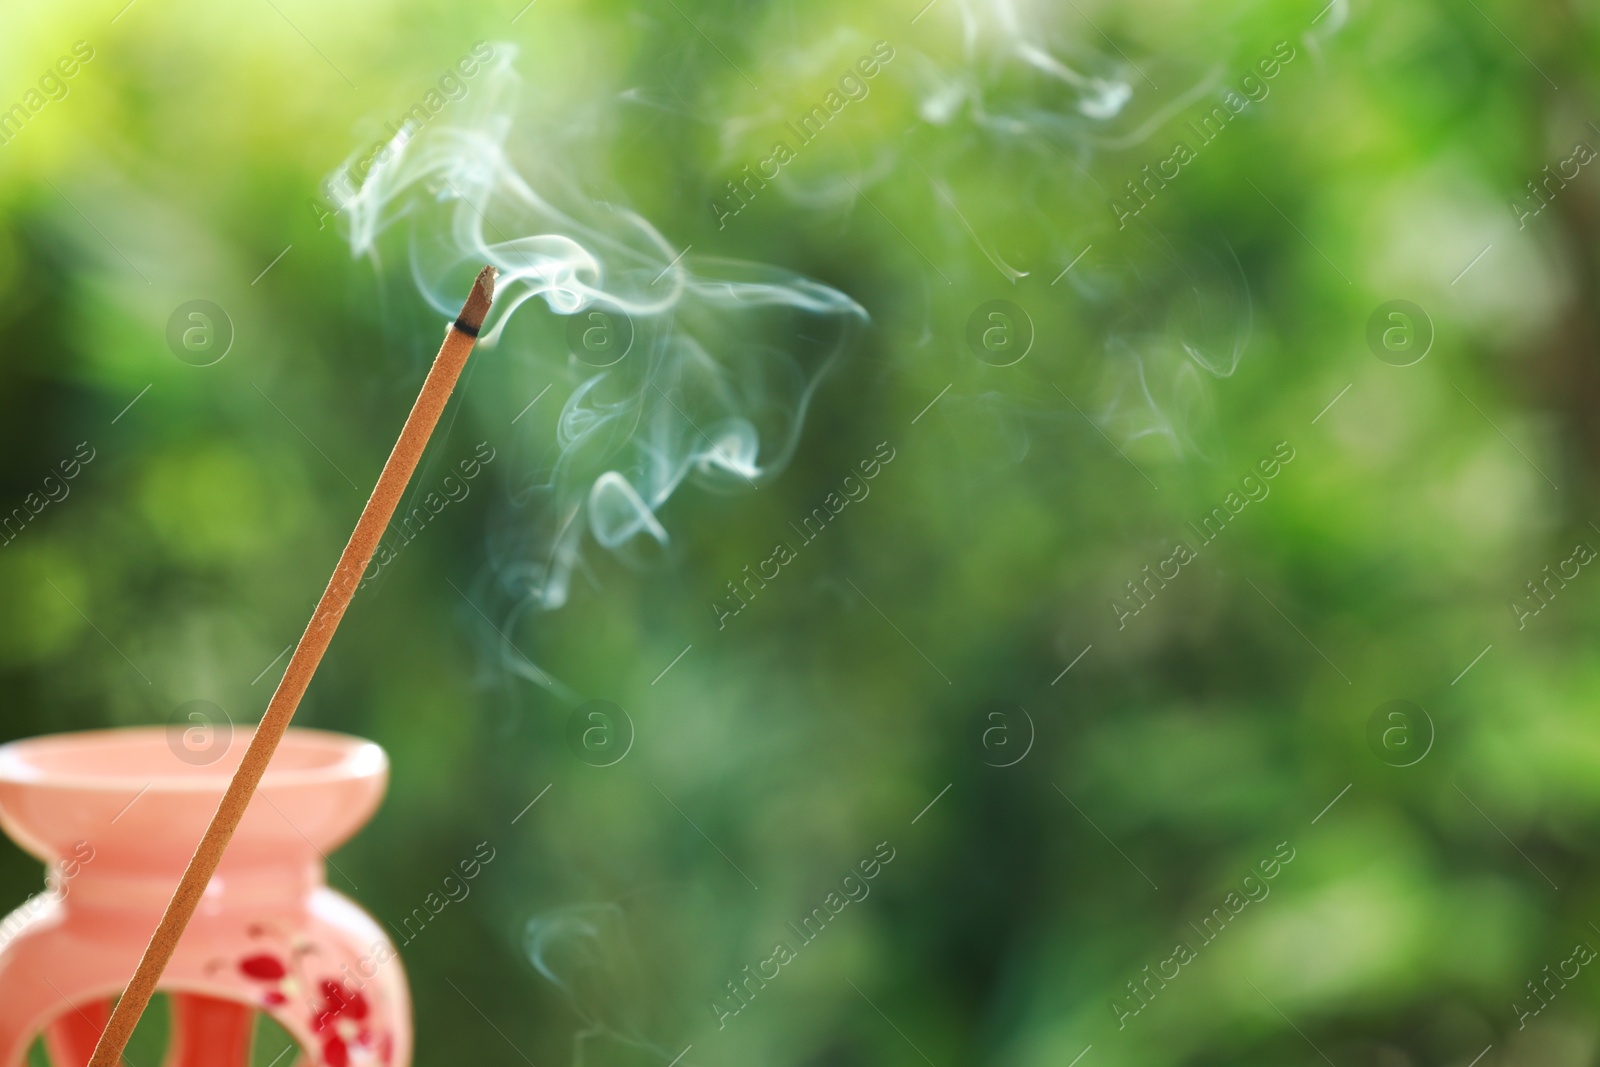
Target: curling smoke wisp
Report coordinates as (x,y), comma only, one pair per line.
(709,365)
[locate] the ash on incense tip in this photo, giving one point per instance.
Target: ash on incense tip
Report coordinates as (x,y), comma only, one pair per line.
(470,321)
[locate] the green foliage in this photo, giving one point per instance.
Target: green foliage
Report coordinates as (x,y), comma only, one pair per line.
(1192,737)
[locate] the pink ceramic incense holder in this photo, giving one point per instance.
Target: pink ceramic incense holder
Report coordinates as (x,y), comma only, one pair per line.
(115,816)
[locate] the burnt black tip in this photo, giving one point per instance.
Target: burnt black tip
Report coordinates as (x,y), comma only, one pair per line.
(466,327)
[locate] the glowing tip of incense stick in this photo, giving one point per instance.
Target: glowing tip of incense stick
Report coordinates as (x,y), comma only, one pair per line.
(470,321)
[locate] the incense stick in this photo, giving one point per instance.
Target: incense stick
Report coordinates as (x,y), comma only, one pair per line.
(397,471)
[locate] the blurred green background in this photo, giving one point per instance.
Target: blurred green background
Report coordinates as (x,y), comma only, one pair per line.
(889,666)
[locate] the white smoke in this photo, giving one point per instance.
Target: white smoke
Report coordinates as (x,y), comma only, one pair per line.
(724,356)
(1186,318)
(1041,70)
(585,951)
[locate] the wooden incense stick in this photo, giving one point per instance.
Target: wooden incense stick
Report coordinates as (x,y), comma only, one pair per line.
(397,471)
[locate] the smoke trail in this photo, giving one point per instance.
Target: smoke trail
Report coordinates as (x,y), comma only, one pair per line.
(1186,319)
(718,360)
(1170,321)
(1023,75)
(585,952)
(1015,35)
